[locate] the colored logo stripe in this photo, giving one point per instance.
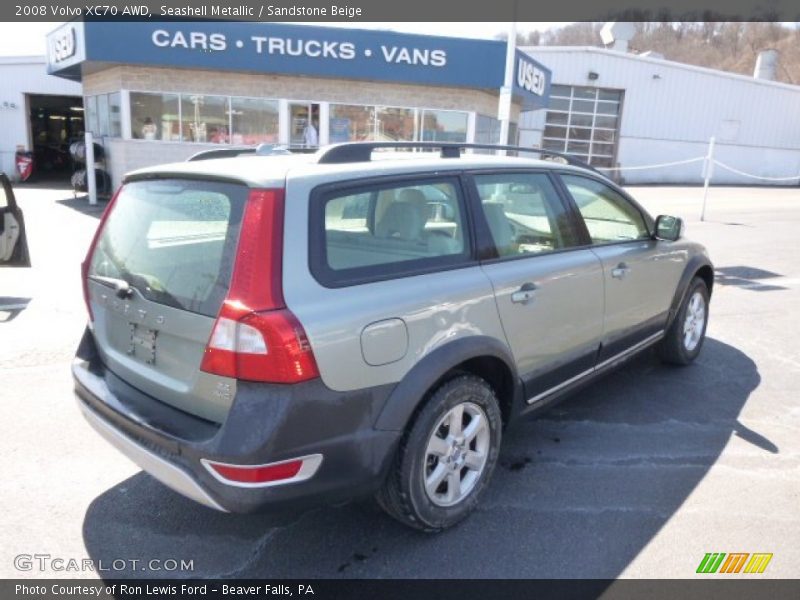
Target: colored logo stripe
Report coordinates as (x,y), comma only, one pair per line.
(711,562)
(758,563)
(735,561)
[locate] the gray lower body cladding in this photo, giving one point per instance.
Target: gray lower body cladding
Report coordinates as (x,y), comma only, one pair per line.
(267,423)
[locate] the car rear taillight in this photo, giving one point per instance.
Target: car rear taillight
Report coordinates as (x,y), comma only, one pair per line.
(256,337)
(88,260)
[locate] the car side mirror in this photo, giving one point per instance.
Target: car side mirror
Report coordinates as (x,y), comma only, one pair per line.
(668,228)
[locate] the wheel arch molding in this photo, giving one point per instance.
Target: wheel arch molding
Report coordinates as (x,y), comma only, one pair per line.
(697,266)
(484,356)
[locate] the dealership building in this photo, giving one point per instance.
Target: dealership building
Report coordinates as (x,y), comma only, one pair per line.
(627,111)
(36,110)
(160,92)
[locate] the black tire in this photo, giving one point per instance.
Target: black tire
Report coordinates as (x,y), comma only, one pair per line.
(403,494)
(673,349)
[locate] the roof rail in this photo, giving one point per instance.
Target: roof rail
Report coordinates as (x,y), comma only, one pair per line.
(350,152)
(260,150)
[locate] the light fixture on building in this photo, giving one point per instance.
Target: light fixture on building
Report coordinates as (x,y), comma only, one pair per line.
(593,76)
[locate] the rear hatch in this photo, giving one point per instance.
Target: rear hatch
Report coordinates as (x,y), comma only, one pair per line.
(156,279)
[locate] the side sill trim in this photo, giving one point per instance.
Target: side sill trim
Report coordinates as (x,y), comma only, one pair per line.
(606,363)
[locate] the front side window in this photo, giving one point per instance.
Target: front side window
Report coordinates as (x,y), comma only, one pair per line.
(398,228)
(524,214)
(609,217)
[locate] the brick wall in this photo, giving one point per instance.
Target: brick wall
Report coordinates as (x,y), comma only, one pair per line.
(123,156)
(154,79)
(127,155)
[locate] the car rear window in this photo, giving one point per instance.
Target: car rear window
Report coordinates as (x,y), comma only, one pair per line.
(386,230)
(174,241)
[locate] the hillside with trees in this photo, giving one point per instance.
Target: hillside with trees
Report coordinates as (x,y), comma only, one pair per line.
(718,45)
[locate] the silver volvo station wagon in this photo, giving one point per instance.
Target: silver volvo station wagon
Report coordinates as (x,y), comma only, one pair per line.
(270,329)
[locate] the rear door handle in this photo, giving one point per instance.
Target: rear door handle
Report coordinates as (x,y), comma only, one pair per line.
(620,271)
(524,294)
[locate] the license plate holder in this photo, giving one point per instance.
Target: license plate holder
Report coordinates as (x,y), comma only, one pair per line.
(142,343)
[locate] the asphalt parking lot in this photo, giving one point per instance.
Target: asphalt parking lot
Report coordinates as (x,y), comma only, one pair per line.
(638,476)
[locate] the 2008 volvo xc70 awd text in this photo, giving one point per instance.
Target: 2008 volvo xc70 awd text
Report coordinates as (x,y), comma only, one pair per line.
(268,329)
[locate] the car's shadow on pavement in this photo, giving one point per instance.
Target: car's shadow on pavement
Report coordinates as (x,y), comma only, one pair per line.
(579,492)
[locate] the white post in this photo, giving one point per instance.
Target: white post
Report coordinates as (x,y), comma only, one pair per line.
(284,122)
(504,102)
(324,124)
(91,180)
(708,172)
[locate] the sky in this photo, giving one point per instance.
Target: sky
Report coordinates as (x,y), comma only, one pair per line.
(23,39)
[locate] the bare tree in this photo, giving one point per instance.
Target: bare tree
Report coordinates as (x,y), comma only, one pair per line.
(718,45)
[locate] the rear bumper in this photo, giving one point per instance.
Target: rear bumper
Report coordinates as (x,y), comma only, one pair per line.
(267,423)
(167,473)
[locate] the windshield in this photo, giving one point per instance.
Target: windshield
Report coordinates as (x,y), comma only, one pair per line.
(174,241)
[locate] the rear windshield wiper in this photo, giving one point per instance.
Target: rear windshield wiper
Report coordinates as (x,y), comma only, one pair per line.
(122,288)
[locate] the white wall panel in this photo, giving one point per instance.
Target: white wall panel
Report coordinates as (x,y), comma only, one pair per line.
(671,110)
(20,76)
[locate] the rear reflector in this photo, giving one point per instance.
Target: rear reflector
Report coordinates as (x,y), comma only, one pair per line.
(287,471)
(255,337)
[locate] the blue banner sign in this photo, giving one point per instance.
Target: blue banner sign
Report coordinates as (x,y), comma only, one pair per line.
(297,50)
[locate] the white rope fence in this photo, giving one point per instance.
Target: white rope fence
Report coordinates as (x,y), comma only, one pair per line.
(658,166)
(743,174)
(708,171)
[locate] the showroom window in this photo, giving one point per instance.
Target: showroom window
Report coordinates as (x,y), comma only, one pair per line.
(394,124)
(584,122)
(90,113)
(155,117)
(103,114)
(353,123)
(202,118)
(487,130)
(205,119)
(254,121)
(444,126)
(350,123)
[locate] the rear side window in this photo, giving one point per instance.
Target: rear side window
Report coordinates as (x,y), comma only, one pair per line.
(386,230)
(174,241)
